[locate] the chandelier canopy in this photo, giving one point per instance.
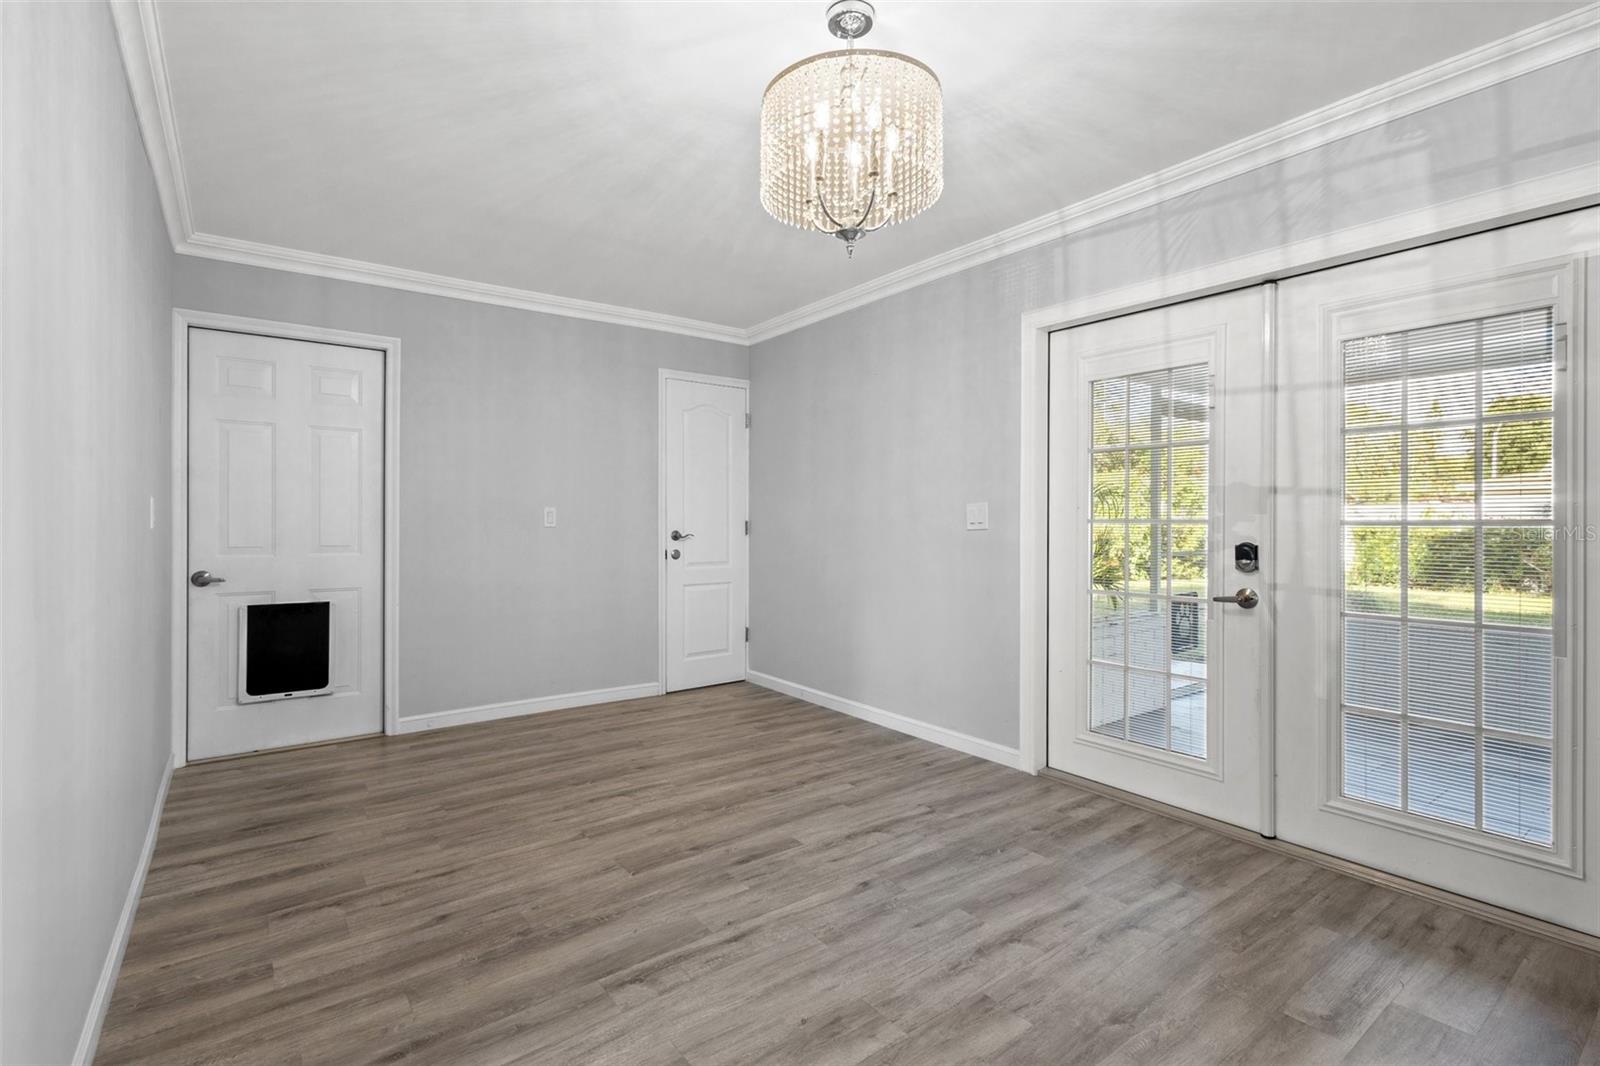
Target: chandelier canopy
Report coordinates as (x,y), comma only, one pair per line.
(852,140)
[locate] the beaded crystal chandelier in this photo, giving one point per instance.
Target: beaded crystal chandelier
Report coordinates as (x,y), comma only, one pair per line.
(852,140)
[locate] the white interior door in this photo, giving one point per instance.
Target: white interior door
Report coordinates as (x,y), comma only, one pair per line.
(704,532)
(1158,468)
(285,504)
(1435,532)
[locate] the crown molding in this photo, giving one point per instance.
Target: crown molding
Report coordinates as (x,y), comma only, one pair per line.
(138,27)
(1538,46)
(250,253)
(139,36)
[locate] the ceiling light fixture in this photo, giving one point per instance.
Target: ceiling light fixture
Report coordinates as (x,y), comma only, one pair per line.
(851,140)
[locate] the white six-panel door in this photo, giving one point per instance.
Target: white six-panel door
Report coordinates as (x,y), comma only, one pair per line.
(1159,466)
(704,540)
(285,504)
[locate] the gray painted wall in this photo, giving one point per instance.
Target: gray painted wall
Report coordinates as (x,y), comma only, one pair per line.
(874,428)
(85,357)
(505,412)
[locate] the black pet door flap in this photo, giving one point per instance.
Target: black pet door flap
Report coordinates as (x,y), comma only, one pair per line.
(284,650)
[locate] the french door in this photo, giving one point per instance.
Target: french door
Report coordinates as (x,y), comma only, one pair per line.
(1406,456)
(1159,624)
(1432,467)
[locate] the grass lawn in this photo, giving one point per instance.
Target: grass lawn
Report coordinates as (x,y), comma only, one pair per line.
(1500,607)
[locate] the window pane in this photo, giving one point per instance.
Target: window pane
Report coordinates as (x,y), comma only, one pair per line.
(1442,672)
(1147,709)
(1372,477)
(1372,404)
(1188,629)
(1447,395)
(1372,664)
(1372,569)
(1518,575)
(1147,483)
(1105,699)
(1517,471)
(1110,493)
(1147,653)
(1372,759)
(1147,632)
(1106,628)
(1189,717)
(1191,469)
(1188,562)
(1518,357)
(1109,547)
(1443,573)
(1517,694)
(1441,774)
(1147,569)
(1109,411)
(1148,408)
(1517,790)
(1441,468)
(1448,529)
(1191,403)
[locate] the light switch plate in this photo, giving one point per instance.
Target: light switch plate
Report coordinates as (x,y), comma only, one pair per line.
(549,517)
(977,516)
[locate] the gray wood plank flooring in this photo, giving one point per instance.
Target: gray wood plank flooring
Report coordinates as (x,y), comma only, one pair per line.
(733,876)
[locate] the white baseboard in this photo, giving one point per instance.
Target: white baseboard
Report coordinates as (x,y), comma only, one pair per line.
(937,734)
(488,712)
(89,1036)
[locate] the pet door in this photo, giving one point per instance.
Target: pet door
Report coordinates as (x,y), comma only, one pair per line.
(284,651)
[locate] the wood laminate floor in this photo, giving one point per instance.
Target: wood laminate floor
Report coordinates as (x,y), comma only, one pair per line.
(732,876)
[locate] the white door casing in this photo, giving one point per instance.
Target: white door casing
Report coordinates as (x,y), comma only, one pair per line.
(1448,687)
(1174,649)
(705,490)
(285,502)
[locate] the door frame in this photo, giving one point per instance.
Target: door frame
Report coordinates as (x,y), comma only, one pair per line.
(664,375)
(184,319)
(1478,213)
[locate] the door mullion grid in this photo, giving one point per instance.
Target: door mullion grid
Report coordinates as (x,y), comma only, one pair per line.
(1127,547)
(1477,581)
(1405,574)
(1164,526)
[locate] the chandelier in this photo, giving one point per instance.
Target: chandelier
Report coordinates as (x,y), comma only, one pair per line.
(852,140)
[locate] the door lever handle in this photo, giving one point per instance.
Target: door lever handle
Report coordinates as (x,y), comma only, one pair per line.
(1245,598)
(682,536)
(201,578)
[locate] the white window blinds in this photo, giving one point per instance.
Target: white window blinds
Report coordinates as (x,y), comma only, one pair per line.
(1449,566)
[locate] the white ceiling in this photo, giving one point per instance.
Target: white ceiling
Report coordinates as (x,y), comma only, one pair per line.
(607,151)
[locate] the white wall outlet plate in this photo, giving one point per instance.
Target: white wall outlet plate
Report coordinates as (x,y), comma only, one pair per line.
(977,516)
(549,517)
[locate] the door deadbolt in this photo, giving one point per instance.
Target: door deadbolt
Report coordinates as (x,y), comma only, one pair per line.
(1246,557)
(676,553)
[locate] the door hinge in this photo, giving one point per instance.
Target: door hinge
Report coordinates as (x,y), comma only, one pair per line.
(747,420)
(1560,344)
(747,527)
(747,634)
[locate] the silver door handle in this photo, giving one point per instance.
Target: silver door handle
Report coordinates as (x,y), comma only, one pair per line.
(201,578)
(681,536)
(1245,598)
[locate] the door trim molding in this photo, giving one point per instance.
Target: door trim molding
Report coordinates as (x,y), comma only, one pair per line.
(1520,202)
(663,375)
(184,319)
